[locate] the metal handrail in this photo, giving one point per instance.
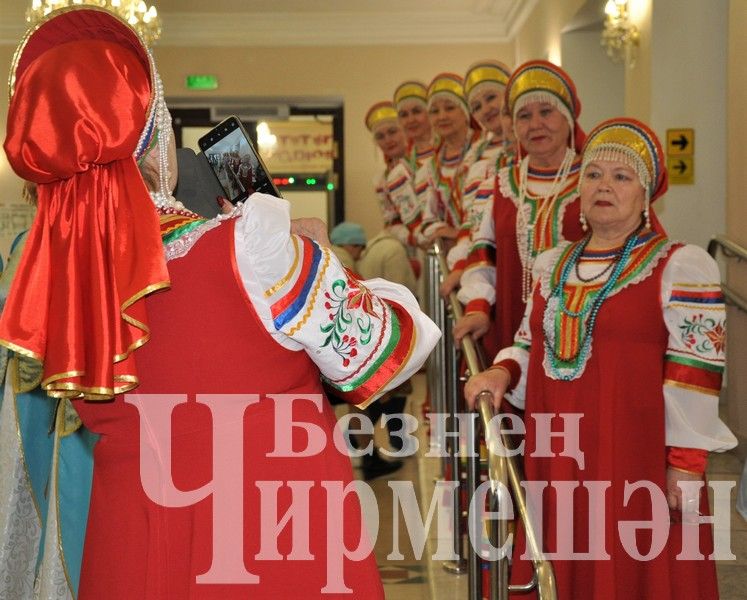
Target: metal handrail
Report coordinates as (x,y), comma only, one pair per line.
(503,469)
(731,250)
(729,247)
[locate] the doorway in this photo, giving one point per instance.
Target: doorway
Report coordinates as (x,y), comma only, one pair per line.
(300,142)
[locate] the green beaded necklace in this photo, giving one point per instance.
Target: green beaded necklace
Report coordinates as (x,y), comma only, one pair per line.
(570,368)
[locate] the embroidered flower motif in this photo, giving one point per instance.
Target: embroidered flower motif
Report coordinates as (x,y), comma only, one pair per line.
(340,302)
(703,335)
(361,299)
(717,335)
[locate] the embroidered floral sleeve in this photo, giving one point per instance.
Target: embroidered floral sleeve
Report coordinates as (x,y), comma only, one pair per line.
(477,285)
(695,318)
(400,187)
(388,210)
(478,184)
(457,257)
(428,199)
(365,337)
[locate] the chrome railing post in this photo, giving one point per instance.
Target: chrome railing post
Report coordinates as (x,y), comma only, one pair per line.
(474,524)
(453,445)
(503,471)
(435,368)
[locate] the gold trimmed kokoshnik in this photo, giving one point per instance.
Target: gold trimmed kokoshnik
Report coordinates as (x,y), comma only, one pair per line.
(538,79)
(410,90)
(446,83)
(378,113)
(482,74)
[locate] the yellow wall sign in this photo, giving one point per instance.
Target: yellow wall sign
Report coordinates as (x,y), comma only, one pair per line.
(681,170)
(681,156)
(680,142)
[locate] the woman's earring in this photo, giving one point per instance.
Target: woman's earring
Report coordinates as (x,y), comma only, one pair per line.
(646,217)
(584,224)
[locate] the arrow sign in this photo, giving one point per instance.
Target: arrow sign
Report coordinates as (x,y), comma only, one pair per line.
(681,142)
(681,170)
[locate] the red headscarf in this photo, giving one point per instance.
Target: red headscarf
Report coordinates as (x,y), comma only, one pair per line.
(76,116)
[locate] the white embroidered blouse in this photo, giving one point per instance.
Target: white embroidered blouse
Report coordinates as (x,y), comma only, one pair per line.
(366,337)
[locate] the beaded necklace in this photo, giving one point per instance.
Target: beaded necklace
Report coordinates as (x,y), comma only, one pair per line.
(448,185)
(525,225)
(569,368)
(615,259)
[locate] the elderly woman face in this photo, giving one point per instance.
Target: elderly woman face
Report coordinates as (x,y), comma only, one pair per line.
(485,104)
(447,118)
(391,139)
(611,196)
(542,130)
(413,116)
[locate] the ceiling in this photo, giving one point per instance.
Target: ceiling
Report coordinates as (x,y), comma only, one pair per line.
(318,22)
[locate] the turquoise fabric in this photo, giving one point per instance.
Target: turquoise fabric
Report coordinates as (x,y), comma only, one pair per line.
(35,413)
(36,416)
(75,473)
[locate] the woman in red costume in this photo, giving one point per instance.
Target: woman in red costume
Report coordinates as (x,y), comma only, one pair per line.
(411,101)
(383,123)
(534,203)
(411,104)
(485,89)
(215,380)
(625,331)
(438,183)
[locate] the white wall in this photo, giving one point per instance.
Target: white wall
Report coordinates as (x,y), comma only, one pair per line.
(600,82)
(688,89)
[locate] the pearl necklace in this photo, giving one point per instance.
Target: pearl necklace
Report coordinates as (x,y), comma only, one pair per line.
(577,361)
(525,227)
(158,123)
(178,210)
(167,204)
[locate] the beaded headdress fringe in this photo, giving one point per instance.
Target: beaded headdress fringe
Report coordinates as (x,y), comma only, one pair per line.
(483,84)
(450,96)
(619,153)
(158,125)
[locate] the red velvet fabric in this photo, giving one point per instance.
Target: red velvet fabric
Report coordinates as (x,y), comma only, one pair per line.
(207,339)
(622,437)
(509,306)
(693,460)
(94,249)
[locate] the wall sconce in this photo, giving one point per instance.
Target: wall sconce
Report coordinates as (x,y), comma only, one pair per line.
(620,36)
(266,140)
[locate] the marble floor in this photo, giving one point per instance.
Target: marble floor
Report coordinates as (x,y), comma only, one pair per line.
(410,577)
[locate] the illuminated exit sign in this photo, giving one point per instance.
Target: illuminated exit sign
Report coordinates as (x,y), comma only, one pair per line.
(202,82)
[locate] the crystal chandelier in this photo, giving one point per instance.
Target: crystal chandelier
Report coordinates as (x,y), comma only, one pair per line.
(620,36)
(143,18)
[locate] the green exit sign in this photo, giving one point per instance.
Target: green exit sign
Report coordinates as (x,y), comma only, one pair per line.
(202,82)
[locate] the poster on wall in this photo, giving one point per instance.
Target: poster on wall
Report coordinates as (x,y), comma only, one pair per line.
(296,146)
